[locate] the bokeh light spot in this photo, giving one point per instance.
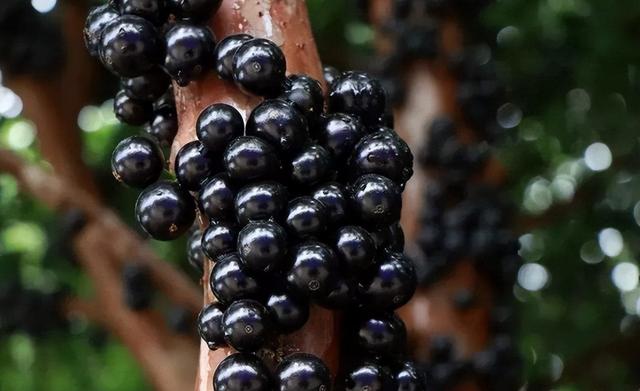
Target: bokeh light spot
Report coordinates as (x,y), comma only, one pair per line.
(43,6)
(533,276)
(598,157)
(625,276)
(610,241)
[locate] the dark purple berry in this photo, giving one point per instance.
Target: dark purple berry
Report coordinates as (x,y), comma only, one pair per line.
(393,283)
(163,125)
(210,325)
(339,133)
(279,123)
(131,111)
(259,67)
(330,74)
(195,255)
(358,94)
(249,158)
(334,199)
(260,201)
(376,200)
(383,153)
(137,161)
(149,86)
(410,378)
(355,248)
(246,325)
(97,19)
(193,164)
(219,239)
(310,165)
(218,125)
(151,10)
(313,269)
(289,313)
(130,46)
(305,93)
(194,10)
(306,217)
(230,281)
(382,334)
(165,210)
(225,51)
(302,372)
(216,198)
(369,377)
(262,246)
(188,52)
(241,372)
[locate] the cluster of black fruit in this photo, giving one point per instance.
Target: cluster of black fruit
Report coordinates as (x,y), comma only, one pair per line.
(302,197)
(30,311)
(30,42)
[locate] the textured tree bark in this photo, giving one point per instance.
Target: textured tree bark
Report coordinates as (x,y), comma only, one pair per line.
(286,23)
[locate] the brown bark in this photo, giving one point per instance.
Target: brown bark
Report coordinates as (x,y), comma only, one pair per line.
(286,23)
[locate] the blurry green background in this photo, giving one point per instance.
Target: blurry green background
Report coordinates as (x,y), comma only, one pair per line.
(572,148)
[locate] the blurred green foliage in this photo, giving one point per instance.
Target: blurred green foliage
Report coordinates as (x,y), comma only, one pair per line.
(571,68)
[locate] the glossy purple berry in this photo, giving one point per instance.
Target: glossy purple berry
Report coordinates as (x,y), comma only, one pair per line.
(393,282)
(310,165)
(151,10)
(383,153)
(289,312)
(330,74)
(410,378)
(302,372)
(210,325)
(193,164)
(247,325)
(163,125)
(131,111)
(230,281)
(137,161)
(339,133)
(306,217)
(188,52)
(250,158)
(216,198)
(242,372)
(224,53)
(381,334)
(193,10)
(368,377)
(97,19)
(376,200)
(279,123)
(305,93)
(260,201)
(165,210)
(359,94)
(313,269)
(148,86)
(219,239)
(218,125)
(262,246)
(195,256)
(259,67)
(334,199)
(355,248)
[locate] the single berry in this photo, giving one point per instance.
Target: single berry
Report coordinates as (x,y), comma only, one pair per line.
(381,334)
(313,269)
(230,281)
(262,246)
(148,86)
(259,67)
(241,372)
(195,255)
(310,165)
(194,10)
(376,200)
(225,51)
(97,19)
(260,201)
(330,74)
(358,94)
(279,123)
(305,93)
(333,197)
(355,248)
(247,325)
(189,52)
(137,161)
(339,133)
(410,378)
(249,158)
(131,111)
(130,46)
(383,153)
(306,217)
(210,325)
(390,237)
(369,377)
(165,210)
(151,10)
(393,283)
(219,239)
(302,372)
(163,125)
(193,164)
(289,313)
(218,125)
(216,198)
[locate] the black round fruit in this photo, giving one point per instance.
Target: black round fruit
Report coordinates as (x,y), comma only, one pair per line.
(131,111)
(262,246)
(219,239)
(97,19)
(249,158)
(381,334)
(225,51)
(259,67)
(306,217)
(339,133)
(383,153)
(230,281)
(393,283)
(163,125)
(368,377)
(151,10)
(313,269)
(410,378)
(137,161)
(358,94)
(376,200)
(216,198)
(149,86)
(241,372)
(188,52)
(289,313)
(302,372)
(310,165)
(260,201)
(130,46)
(195,255)
(195,10)
(355,248)
(330,74)
(210,325)
(165,210)
(218,125)
(279,123)
(305,93)
(246,325)
(334,199)
(193,164)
